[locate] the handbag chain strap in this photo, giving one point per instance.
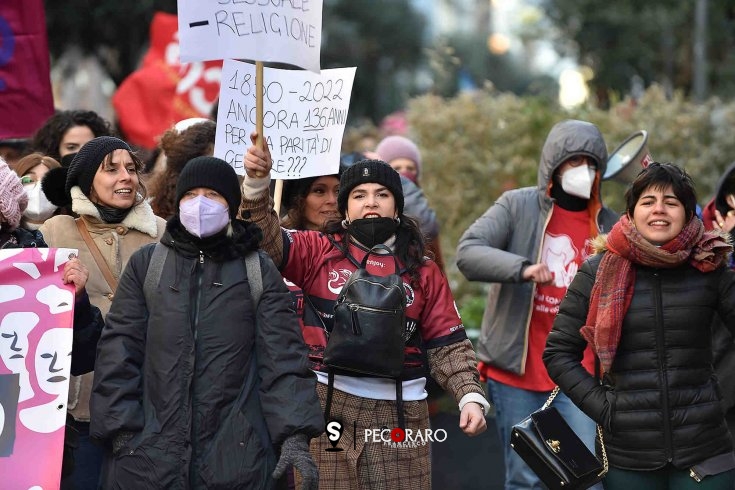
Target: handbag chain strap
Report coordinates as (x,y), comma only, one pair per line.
(553,394)
(605,465)
(604,452)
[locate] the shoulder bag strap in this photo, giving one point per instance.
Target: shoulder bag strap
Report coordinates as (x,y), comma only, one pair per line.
(96,255)
(255,278)
(155,269)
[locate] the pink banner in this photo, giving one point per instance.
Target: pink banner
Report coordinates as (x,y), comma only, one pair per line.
(26,100)
(36,315)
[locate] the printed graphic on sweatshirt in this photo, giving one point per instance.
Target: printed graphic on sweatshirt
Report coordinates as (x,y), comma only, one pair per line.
(559,254)
(337,279)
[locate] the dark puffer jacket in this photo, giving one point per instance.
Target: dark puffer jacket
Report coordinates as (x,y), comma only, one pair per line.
(660,402)
(208,384)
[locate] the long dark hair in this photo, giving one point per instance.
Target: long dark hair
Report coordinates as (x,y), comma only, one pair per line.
(410,245)
(48,137)
(294,219)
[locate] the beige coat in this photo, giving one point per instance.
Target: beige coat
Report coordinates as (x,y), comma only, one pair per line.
(116,243)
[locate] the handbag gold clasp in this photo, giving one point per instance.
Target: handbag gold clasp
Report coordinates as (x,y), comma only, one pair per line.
(554,445)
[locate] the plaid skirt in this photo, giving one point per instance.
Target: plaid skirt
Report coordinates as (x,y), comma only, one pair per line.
(374,465)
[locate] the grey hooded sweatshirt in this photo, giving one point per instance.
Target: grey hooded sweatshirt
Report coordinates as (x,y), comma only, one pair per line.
(507,238)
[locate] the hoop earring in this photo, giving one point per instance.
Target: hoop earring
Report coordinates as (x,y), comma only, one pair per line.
(345,223)
(398,220)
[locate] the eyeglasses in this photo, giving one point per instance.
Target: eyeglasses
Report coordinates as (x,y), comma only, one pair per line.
(578,160)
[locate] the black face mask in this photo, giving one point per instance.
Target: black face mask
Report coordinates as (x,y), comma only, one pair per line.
(371,231)
(567,201)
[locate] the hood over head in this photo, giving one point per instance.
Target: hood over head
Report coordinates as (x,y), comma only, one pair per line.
(567,139)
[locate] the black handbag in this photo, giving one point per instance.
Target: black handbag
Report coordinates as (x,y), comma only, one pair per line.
(554,452)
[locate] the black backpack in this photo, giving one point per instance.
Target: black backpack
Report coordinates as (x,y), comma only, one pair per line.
(369,333)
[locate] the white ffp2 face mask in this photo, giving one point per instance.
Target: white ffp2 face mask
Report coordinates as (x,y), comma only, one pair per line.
(39,207)
(203,217)
(578,181)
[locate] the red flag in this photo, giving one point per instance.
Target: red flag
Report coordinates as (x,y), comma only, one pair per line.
(26,100)
(163,91)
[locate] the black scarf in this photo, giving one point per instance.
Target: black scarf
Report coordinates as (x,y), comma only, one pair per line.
(567,201)
(111,215)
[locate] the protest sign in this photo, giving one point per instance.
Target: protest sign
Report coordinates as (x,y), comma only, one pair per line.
(36,317)
(284,31)
(303,120)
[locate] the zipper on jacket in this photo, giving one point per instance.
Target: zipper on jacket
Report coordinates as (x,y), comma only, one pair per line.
(198,278)
(195,298)
(527,333)
(661,354)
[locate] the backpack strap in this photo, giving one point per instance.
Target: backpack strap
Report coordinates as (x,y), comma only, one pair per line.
(153,274)
(399,403)
(399,399)
(345,250)
(330,390)
(158,258)
(255,278)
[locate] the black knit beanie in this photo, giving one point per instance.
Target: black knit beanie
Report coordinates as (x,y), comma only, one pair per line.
(370,171)
(213,173)
(86,162)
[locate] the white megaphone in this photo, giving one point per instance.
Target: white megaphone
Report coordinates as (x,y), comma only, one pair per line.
(624,164)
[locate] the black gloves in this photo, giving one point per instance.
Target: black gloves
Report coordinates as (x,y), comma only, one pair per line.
(295,451)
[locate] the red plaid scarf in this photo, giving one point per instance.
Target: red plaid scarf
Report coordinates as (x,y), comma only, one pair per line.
(613,288)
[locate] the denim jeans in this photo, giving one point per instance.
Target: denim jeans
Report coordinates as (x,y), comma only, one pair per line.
(87,463)
(515,404)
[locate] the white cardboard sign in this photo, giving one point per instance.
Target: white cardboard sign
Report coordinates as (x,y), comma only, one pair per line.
(283,31)
(304,117)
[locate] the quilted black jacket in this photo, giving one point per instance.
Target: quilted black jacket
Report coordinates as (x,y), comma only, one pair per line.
(660,401)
